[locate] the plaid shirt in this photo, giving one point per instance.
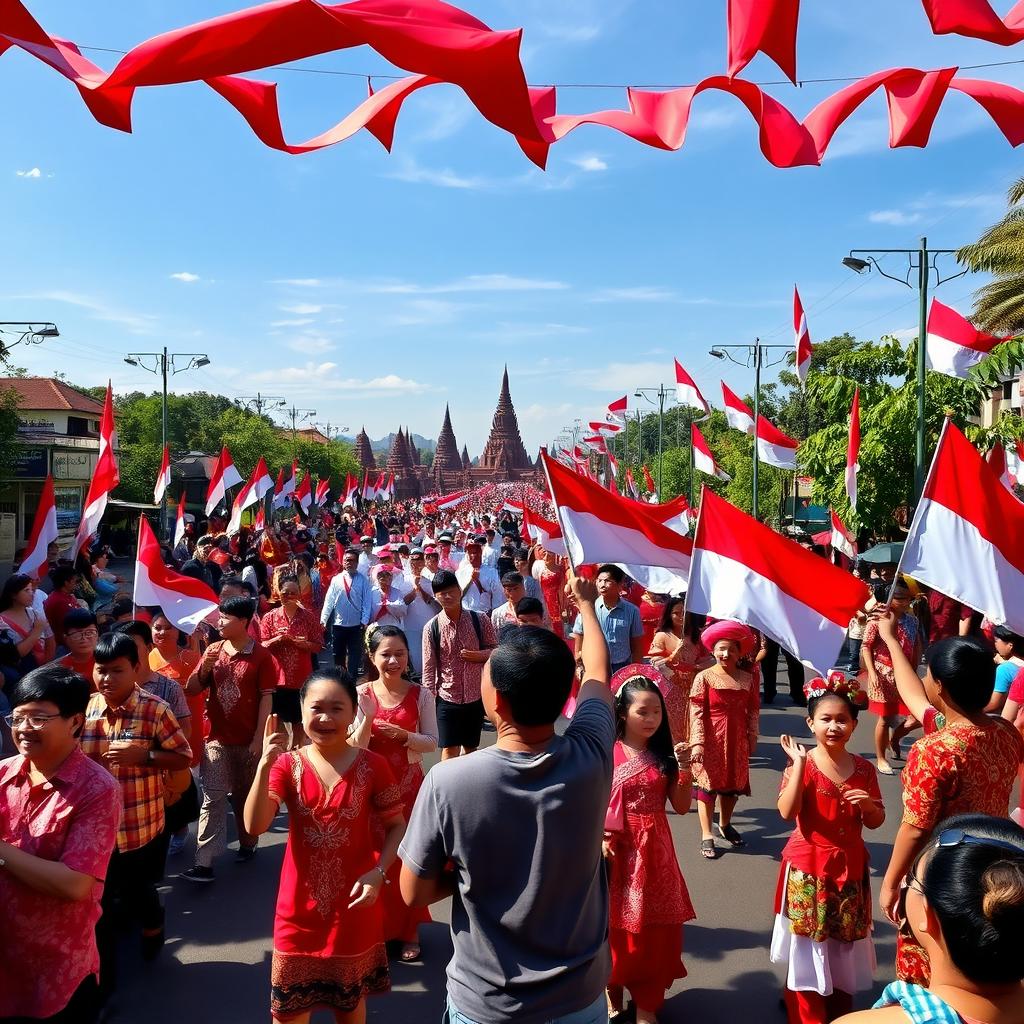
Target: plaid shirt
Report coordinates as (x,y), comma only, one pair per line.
(148,721)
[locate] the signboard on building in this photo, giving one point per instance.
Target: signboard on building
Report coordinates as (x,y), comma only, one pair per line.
(30,462)
(73,465)
(36,427)
(68,502)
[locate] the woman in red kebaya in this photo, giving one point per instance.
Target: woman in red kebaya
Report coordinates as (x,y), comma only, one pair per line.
(401,727)
(676,656)
(647,895)
(328,934)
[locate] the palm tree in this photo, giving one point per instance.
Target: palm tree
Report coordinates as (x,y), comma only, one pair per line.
(999,305)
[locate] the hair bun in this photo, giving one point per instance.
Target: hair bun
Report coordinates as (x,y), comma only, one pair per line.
(1003,885)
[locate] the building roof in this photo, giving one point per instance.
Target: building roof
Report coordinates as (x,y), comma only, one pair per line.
(46,394)
(312,434)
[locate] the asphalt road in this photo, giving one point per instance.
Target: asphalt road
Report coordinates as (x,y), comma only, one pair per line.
(216,964)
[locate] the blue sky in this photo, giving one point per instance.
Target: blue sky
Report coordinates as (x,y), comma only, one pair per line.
(375,288)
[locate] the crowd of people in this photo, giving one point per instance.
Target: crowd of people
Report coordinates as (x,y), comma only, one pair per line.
(346,651)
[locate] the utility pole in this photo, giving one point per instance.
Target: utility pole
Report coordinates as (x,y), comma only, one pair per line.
(261,402)
(298,416)
(662,393)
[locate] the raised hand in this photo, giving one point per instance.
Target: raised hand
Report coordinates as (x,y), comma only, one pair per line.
(796,752)
(275,739)
(885,622)
(367,703)
(582,590)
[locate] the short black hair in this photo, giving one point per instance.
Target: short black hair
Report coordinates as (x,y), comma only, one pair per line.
(612,570)
(288,577)
(529,606)
(354,551)
(977,893)
(235,581)
(122,606)
(512,579)
(56,684)
(239,607)
(444,580)
(334,675)
(61,575)
(533,670)
(112,646)
(205,541)
(1008,636)
(78,618)
(812,704)
(136,628)
(964,667)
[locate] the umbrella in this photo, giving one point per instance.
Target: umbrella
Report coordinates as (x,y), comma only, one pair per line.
(884,554)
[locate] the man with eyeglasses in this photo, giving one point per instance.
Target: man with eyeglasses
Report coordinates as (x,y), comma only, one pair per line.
(80,636)
(59,815)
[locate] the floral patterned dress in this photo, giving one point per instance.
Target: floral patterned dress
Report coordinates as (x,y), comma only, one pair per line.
(551,586)
(883,697)
(648,898)
(326,955)
(823,901)
(679,674)
(400,921)
(724,710)
(961,769)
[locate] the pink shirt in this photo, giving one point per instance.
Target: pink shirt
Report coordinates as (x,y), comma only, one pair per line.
(451,678)
(49,943)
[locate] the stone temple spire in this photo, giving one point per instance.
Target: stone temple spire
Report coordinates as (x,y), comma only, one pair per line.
(398,456)
(414,454)
(364,453)
(466,462)
(446,455)
(504,449)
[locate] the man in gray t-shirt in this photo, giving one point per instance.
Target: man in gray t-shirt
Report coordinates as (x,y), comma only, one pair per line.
(513,833)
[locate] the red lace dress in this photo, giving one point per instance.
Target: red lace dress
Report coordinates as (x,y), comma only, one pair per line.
(326,955)
(883,697)
(823,901)
(400,921)
(722,718)
(647,895)
(679,674)
(960,769)
(552,585)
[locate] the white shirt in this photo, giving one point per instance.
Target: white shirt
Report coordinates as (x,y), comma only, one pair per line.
(419,612)
(484,597)
(393,605)
(367,562)
(489,555)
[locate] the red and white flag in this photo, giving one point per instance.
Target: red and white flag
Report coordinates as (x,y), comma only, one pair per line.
(617,409)
(351,489)
(841,539)
(44,533)
(1015,463)
(369,489)
(596,442)
(967,537)
(649,481)
(163,478)
(184,600)
(1005,464)
(608,428)
(687,392)
(179,521)
(260,522)
(774,448)
(954,343)
(452,500)
(224,476)
(737,412)
(105,478)
(703,460)
(543,531)
(631,483)
(603,527)
(304,493)
(853,450)
(255,488)
(744,570)
(283,495)
(323,490)
(613,463)
(802,338)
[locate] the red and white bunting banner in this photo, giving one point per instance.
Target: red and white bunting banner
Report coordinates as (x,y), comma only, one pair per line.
(163,478)
(802,338)
(853,450)
(737,412)
(543,531)
(596,442)
(967,537)
(105,478)
(746,571)
(617,409)
(452,500)
(687,392)
(613,463)
(954,343)
(184,600)
(841,539)
(631,483)
(44,533)
(603,527)
(179,521)
(703,460)
(323,490)
(774,448)
(304,493)
(765,26)
(607,427)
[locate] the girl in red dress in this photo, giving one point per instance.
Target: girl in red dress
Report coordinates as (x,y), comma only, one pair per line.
(328,933)
(401,726)
(647,895)
(724,709)
(676,656)
(823,902)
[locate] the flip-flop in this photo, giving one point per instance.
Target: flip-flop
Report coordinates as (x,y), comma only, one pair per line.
(887,770)
(708,850)
(411,952)
(731,836)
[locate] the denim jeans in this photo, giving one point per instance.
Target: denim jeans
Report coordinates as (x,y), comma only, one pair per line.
(596,1013)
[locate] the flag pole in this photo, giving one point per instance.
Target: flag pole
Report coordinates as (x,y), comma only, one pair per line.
(558,511)
(915,522)
(696,534)
(138,552)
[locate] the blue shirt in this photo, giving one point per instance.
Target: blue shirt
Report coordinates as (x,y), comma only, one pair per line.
(347,607)
(619,625)
(1005,674)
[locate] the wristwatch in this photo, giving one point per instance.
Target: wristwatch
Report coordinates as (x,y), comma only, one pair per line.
(150,756)
(383,877)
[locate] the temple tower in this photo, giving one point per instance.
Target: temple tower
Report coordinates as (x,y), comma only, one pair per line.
(504,451)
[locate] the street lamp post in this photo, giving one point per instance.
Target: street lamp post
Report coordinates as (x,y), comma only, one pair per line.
(753,352)
(662,392)
(298,416)
(260,402)
(925,264)
(31,332)
(164,361)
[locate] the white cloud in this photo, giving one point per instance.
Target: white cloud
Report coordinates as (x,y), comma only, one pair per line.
(589,162)
(299,282)
(424,312)
(33,173)
(510,331)
(444,115)
(894,218)
(470,283)
(413,173)
(185,276)
(137,323)
(638,293)
(302,309)
(301,322)
(619,376)
(316,378)
(311,344)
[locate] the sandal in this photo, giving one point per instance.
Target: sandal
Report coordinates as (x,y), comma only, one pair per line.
(731,836)
(884,769)
(411,952)
(708,850)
